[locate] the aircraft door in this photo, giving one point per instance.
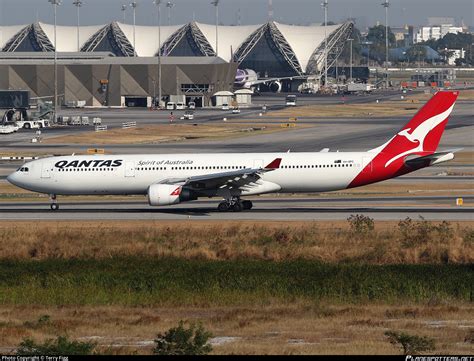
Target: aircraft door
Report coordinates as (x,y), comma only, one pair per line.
(130,169)
(367,164)
(258,163)
(46,170)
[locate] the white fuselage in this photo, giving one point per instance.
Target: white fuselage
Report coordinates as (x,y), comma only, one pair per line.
(134,174)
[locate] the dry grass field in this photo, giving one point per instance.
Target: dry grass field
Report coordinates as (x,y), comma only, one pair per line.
(386,108)
(289,322)
(279,328)
(165,133)
(276,241)
(408,106)
(463,96)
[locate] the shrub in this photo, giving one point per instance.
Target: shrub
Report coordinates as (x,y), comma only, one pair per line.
(469,236)
(411,344)
(361,224)
(182,341)
(61,346)
(43,320)
(445,231)
(469,337)
(415,233)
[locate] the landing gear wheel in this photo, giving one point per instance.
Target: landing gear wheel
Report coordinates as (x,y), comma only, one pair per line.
(247,205)
(223,207)
(54,206)
(237,207)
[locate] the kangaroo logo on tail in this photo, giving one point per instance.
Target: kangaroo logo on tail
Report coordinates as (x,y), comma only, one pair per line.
(419,134)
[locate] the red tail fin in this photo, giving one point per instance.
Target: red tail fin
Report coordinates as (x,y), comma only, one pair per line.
(423,133)
(420,136)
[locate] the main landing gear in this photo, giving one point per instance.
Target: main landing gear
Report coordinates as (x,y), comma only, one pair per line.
(54,204)
(235,205)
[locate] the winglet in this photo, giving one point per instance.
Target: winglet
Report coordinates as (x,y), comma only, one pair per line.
(274,165)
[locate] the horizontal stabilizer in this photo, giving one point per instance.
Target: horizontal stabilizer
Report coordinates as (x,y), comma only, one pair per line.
(429,160)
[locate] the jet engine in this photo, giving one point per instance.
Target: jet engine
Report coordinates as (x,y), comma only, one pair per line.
(275,86)
(168,194)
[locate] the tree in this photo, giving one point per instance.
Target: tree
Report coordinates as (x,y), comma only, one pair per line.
(454,41)
(410,344)
(182,341)
(376,35)
(416,53)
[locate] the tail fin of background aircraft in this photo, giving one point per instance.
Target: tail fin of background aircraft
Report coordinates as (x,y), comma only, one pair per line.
(420,137)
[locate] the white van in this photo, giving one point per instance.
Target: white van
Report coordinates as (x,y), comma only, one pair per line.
(170,106)
(180,106)
(192,105)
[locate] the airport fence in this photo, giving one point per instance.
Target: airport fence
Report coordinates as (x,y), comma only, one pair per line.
(129,125)
(101,128)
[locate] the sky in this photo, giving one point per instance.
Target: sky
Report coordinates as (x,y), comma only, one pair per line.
(366,12)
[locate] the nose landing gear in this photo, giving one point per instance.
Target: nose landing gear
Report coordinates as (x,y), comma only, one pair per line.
(235,205)
(54,205)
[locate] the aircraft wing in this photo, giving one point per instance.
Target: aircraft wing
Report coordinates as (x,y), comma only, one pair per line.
(232,179)
(269,80)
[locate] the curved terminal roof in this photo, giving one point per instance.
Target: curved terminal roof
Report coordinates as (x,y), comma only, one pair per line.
(8,32)
(146,37)
(298,49)
(230,37)
(300,38)
(67,36)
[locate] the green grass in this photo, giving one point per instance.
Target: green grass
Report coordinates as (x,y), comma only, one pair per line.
(148,281)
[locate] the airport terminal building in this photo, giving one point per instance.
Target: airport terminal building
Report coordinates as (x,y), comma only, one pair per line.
(111,64)
(104,80)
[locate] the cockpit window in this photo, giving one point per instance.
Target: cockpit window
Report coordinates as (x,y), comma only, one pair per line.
(23,169)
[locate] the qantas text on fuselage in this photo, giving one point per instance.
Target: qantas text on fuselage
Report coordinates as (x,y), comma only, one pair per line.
(172,179)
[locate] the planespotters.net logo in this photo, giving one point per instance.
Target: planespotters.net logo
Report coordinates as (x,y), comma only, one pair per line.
(439,358)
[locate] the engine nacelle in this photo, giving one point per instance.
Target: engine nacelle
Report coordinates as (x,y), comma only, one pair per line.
(168,194)
(275,86)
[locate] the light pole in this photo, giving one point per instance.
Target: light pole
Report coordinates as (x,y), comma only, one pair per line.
(134,7)
(216,4)
(124,9)
(368,44)
(78,4)
(55,4)
(158,6)
(169,5)
(386,5)
(1,18)
(325,6)
(350,66)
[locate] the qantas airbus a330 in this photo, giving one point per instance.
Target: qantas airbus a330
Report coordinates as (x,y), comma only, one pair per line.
(171,179)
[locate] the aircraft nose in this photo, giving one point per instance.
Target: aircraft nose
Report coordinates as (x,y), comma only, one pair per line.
(13,178)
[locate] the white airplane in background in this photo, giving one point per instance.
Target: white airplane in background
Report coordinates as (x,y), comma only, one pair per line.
(249,79)
(172,179)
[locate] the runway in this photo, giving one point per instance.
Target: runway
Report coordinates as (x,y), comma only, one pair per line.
(316,133)
(271,209)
